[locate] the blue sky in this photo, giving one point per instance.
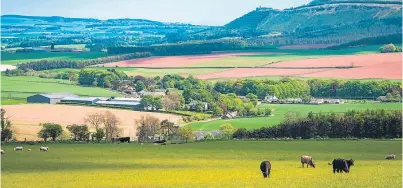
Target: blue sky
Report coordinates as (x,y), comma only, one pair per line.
(205,12)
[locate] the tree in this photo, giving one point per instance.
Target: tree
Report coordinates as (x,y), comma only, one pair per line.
(50,130)
(140,86)
(73,75)
(227,131)
(99,134)
(79,132)
(388,48)
(252,98)
(186,132)
(209,136)
(6,131)
(148,125)
(111,122)
(95,119)
(173,101)
(147,102)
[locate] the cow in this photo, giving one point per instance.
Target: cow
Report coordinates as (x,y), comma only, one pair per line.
(29,149)
(159,142)
(342,165)
(308,161)
(19,148)
(2,152)
(265,167)
(391,156)
(43,148)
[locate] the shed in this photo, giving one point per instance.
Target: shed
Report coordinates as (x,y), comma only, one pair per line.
(119,103)
(49,98)
(82,100)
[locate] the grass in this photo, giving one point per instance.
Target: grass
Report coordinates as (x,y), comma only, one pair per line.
(206,164)
(279,111)
(16,58)
(20,87)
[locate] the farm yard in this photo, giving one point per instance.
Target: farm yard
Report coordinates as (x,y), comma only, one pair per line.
(20,87)
(203,164)
(26,118)
(280,110)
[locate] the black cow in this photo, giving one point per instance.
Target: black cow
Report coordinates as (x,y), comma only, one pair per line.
(265,167)
(342,165)
(124,139)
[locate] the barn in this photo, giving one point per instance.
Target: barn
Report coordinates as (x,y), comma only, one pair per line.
(80,100)
(49,98)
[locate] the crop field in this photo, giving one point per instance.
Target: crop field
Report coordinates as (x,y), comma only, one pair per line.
(20,87)
(16,58)
(203,164)
(279,111)
(27,117)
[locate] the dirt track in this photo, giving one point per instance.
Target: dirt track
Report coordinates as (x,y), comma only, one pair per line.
(26,118)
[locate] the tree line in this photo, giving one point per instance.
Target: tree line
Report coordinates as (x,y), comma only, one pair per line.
(58,64)
(378,123)
(184,48)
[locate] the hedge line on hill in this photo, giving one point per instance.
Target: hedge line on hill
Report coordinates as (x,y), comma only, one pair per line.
(377,123)
(57,64)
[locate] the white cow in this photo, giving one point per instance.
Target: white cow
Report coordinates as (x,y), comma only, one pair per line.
(391,156)
(19,148)
(42,148)
(2,152)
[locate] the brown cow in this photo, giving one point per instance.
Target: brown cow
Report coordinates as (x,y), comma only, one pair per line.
(308,161)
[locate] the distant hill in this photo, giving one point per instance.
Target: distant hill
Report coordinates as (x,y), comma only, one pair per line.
(323,21)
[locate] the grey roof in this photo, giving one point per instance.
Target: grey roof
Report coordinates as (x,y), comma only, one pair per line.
(80,98)
(118,103)
(126,99)
(58,95)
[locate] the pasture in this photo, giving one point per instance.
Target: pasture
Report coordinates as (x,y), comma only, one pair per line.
(16,58)
(279,111)
(26,118)
(20,87)
(203,164)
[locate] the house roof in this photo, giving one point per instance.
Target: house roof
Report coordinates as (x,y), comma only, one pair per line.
(126,99)
(58,95)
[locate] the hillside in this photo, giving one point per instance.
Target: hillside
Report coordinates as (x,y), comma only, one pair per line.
(324,22)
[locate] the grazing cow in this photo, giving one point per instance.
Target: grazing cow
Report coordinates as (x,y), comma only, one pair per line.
(391,156)
(43,148)
(308,161)
(341,165)
(29,149)
(265,167)
(2,152)
(159,142)
(19,148)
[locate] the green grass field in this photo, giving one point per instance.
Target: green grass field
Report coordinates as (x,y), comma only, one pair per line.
(205,164)
(279,110)
(16,58)
(20,87)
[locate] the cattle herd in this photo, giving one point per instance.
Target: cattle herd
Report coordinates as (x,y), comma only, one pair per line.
(339,165)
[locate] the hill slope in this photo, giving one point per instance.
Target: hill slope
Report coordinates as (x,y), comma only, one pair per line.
(324,22)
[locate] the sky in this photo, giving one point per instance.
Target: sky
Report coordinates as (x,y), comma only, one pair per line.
(202,12)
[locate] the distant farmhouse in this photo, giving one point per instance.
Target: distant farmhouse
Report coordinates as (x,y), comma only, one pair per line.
(50,98)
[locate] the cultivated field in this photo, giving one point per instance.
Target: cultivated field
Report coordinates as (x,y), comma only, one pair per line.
(16,58)
(206,164)
(279,111)
(20,87)
(26,118)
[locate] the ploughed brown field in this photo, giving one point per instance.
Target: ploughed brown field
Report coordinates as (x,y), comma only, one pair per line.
(178,61)
(26,118)
(382,66)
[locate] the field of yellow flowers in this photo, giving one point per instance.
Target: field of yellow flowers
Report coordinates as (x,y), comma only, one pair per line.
(202,164)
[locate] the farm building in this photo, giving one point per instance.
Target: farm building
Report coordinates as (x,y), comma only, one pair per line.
(125,99)
(119,103)
(192,105)
(155,94)
(199,135)
(81,100)
(50,98)
(271,99)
